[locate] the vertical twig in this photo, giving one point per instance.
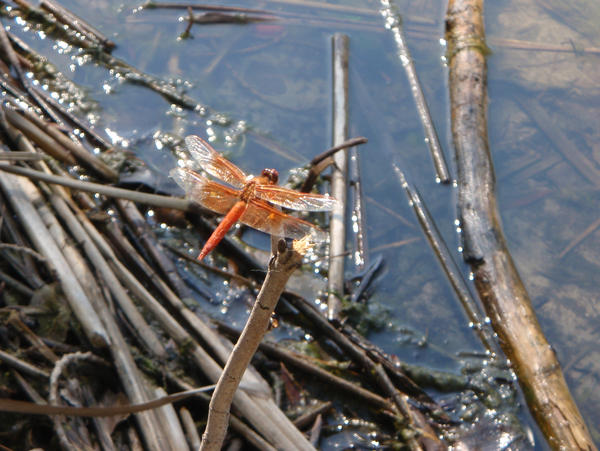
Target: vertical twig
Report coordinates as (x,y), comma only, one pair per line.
(393,22)
(337,228)
(281,267)
(358,212)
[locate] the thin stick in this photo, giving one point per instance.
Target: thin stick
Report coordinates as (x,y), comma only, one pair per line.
(14,62)
(191,431)
(569,151)
(281,267)
(76,23)
(358,219)
(303,363)
(57,139)
(322,161)
(203,7)
(22,365)
(453,274)
(168,417)
(41,139)
(155,200)
(582,236)
(394,23)
(337,227)
(344,145)
(21,156)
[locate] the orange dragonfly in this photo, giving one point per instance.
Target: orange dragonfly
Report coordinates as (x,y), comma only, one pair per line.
(249,198)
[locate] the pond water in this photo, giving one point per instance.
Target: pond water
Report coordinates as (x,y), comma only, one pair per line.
(265,92)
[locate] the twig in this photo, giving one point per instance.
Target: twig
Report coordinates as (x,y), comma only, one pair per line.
(41,139)
(366,277)
(76,23)
(191,431)
(322,161)
(309,417)
(281,267)
(501,290)
(204,7)
(16,285)
(15,321)
(449,266)
(394,23)
(222,17)
(21,156)
(56,139)
(14,62)
(22,249)
(344,145)
(107,190)
(153,247)
(304,364)
(167,416)
(357,217)
(337,226)
(568,150)
(582,236)
(22,366)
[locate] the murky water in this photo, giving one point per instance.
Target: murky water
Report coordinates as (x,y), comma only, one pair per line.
(264,96)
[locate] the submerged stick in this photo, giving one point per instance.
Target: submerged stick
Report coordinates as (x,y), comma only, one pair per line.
(502,292)
(449,266)
(337,228)
(76,23)
(394,23)
(281,267)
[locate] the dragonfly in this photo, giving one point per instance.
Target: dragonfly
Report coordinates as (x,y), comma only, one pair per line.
(251,200)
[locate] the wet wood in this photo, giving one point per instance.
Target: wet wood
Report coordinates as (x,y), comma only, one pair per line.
(500,288)
(394,24)
(337,226)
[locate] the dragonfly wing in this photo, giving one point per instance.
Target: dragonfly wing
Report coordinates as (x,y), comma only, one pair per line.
(211,161)
(208,193)
(295,200)
(262,216)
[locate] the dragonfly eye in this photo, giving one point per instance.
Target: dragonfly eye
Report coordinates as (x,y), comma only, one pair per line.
(271,174)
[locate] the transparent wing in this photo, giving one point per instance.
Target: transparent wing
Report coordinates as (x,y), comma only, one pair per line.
(262,216)
(213,162)
(209,194)
(295,199)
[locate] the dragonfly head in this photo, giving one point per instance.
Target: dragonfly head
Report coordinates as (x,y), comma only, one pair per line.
(271,175)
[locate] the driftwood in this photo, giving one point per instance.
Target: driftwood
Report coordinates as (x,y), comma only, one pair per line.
(500,288)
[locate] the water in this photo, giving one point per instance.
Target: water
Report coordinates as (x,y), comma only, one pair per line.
(264,96)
